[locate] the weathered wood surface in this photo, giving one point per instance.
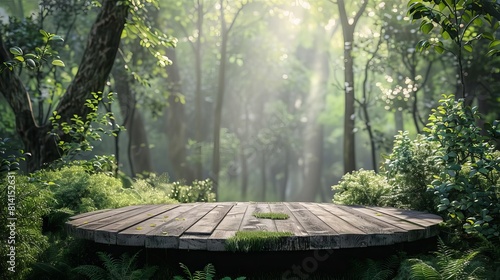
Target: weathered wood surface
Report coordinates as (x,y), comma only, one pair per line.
(206,226)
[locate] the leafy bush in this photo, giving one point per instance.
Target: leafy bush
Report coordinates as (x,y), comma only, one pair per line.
(362,187)
(410,169)
(199,191)
(23,236)
(79,191)
(23,206)
(468,184)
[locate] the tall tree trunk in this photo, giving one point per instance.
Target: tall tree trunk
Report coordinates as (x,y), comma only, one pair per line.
(176,122)
(95,66)
(263,176)
(244,173)
(198,92)
(221,89)
(348,28)
(364,103)
(138,148)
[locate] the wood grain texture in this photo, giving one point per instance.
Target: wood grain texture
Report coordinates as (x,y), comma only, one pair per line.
(207,226)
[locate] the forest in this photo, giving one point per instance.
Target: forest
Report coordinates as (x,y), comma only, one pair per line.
(108,103)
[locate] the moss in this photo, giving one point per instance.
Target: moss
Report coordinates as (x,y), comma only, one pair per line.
(271,215)
(246,241)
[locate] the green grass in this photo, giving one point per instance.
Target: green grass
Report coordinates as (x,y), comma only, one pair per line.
(246,241)
(271,215)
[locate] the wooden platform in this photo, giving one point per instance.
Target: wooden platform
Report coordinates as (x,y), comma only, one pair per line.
(206,226)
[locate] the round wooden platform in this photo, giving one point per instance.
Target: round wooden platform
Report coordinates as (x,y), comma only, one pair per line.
(207,226)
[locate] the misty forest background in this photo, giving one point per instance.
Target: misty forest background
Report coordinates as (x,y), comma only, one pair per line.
(271,100)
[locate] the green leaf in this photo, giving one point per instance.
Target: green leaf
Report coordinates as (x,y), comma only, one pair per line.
(16,51)
(56,38)
(44,33)
(468,48)
(439,47)
(494,44)
(58,62)
(426,27)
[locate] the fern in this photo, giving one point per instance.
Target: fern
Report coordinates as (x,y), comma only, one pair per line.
(423,271)
(449,265)
(208,273)
(123,268)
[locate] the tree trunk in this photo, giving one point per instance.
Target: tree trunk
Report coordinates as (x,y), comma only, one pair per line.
(399,121)
(349,113)
(221,89)
(95,66)
(139,154)
(175,120)
(244,173)
(198,92)
(263,176)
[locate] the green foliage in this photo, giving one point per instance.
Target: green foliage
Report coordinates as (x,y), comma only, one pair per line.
(199,191)
(39,57)
(362,187)
(247,241)
(271,215)
(468,183)
(459,22)
(79,191)
(23,206)
(78,133)
(28,204)
(448,264)
(410,169)
(370,269)
(208,273)
(124,268)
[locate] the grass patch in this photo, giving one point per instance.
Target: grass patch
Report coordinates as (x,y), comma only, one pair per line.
(271,215)
(246,241)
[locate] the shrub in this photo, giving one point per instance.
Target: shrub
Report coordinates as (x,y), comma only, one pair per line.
(468,184)
(29,205)
(362,187)
(199,191)
(410,169)
(23,206)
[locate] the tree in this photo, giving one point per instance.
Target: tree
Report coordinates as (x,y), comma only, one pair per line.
(348,28)
(95,66)
(225,29)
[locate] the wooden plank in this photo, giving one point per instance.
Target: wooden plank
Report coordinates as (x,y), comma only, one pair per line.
(253,224)
(289,225)
(321,236)
(100,215)
(416,217)
(85,227)
(167,236)
(414,231)
(108,234)
(381,233)
(350,236)
(427,220)
(227,227)
(209,222)
(136,235)
(83,215)
(193,241)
